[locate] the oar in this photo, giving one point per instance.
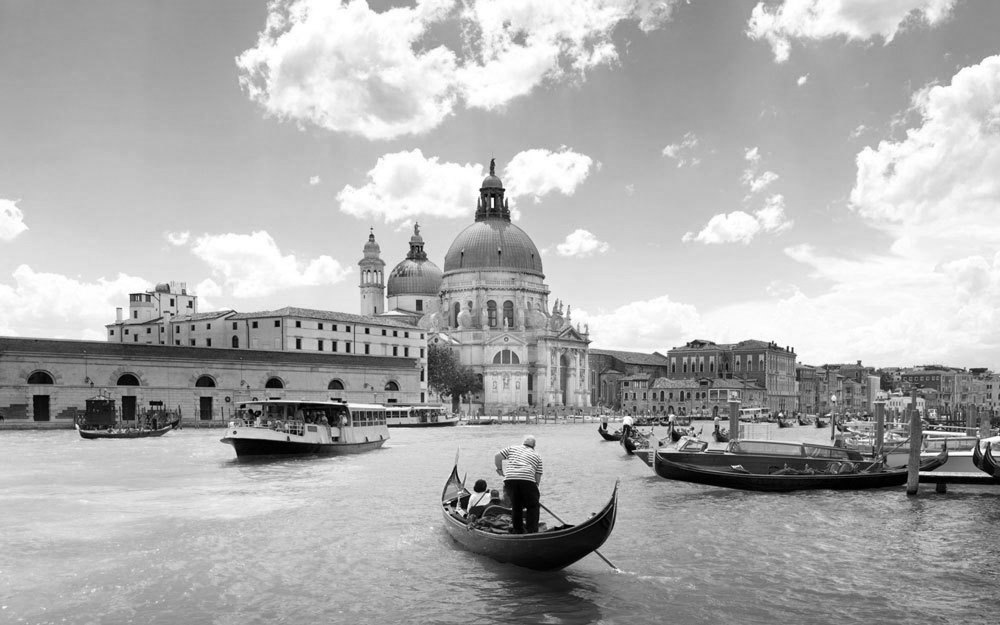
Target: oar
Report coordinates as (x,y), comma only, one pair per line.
(599,554)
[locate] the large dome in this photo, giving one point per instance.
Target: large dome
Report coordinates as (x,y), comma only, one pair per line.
(493,244)
(414,277)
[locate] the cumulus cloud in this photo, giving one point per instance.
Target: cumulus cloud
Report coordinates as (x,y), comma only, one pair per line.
(581,244)
(680,151)
(857,20)
(406,185)
(659,322)
(178,238)
(11,220)
(51,305)
(251,265)
(537,172)
(742,226)
(802,80)
(314,180)
(347,68)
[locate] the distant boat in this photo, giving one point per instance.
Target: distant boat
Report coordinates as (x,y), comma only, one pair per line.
(549,550)
(607,434)
(124,432)
(418,416)
(100,420)
(282,427)
(835,476)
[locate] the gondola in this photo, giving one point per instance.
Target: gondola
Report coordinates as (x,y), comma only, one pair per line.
(721,436)
(787,480)
(803,421)
(977,456)
(609,436)
(989,463)
(632,442)
(785,423)
(821,423)
(91,434)
(550,550)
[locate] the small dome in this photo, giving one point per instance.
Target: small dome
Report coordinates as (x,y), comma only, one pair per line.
(162,287)
(371,247)
(492,182)
(414,277)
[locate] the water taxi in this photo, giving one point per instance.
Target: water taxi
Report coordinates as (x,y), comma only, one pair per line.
(397,416)
(279,427)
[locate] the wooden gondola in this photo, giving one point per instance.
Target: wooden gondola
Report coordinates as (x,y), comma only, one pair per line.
(821,423)
(989,463)
(94,433)
(721,436)
(977,456)
(633,441)
(803,421)
(786,480)
(608,435)
(550,550)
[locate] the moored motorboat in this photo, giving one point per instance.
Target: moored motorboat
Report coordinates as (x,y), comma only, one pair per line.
(764,456)
(282,427)
(835,476)
(549,550)
(418,416)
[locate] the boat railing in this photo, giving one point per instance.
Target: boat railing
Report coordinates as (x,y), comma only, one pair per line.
(285,427)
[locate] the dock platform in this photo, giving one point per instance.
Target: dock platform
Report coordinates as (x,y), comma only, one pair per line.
(943,478)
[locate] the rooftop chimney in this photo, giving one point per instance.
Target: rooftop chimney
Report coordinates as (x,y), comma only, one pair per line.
(118,314)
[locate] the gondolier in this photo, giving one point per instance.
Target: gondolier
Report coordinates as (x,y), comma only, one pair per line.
(522,474)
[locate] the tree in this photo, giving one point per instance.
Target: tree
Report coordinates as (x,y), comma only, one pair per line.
(447,376)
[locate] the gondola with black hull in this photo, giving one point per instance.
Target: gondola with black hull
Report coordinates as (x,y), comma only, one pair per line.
(550,550)
(989,463)
(846,476)
(609,435)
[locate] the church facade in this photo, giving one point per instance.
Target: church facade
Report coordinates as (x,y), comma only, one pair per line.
(490,305)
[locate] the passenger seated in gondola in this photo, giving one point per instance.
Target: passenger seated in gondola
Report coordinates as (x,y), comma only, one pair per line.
(478,500)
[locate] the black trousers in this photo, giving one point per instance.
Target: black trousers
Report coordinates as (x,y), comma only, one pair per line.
(523,495)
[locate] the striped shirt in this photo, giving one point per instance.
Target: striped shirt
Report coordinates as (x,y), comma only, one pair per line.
(522,463)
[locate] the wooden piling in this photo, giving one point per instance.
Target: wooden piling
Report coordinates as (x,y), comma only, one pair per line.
(734,419)
(879,426)
(916,440)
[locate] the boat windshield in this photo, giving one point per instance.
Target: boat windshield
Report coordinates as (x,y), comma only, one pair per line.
(770,448)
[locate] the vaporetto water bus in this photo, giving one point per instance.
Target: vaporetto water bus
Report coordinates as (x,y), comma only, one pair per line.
(279,427)
(422,416)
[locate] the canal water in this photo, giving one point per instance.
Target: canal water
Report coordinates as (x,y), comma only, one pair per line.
(174,530)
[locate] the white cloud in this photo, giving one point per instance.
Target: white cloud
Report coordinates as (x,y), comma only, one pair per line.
(314,180)
(581,244)
(406,185)
(251,265)
(758,183)
(802,80)
(538,172)
(178,238)
(348,68)
(630,190)
(752,155)
(936,192)
(859,20)
(680,151)
(734,227)
(656,324)
(56,306)
(11,220)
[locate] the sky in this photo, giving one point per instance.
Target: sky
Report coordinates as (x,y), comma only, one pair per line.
(824,175)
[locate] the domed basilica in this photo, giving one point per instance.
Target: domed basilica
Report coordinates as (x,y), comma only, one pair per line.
(491,306)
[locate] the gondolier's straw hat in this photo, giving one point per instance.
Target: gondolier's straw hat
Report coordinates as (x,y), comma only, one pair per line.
(529,441)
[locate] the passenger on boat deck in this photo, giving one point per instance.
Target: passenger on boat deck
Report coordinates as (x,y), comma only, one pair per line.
(522,475)
(480,498)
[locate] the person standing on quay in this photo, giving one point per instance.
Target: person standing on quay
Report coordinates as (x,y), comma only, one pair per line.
(522,476)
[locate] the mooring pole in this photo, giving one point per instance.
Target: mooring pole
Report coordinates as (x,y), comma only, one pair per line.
(916,440)
(734,419)
(879,427)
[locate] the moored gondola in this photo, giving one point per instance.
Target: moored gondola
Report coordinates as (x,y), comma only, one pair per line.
(550,550)
(977,456)
(843,477)
(721,436)
(989,463)
(124,432)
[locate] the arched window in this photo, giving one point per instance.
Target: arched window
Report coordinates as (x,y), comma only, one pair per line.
(40,377)
(335,385)
(508,314)
(454,315)
(205,381)
(236,342)
(391,386)
(128,379)
(506,357)
(491,312)
(274,383)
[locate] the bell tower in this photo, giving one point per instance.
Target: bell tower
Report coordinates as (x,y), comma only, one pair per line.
(372,270)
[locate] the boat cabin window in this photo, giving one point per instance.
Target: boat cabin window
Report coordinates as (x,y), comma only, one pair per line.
(771,448)
(368,417)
